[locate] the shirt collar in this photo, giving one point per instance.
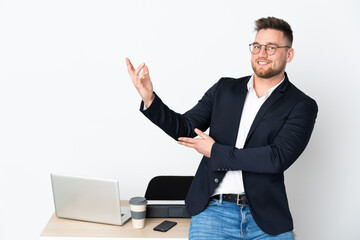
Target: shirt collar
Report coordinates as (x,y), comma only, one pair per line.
(250,87)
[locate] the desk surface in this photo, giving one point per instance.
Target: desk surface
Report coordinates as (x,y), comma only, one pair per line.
(59,228)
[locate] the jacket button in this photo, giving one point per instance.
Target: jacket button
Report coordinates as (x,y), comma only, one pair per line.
(216,180)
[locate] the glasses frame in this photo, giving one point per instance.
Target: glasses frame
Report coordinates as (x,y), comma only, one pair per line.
(266,46)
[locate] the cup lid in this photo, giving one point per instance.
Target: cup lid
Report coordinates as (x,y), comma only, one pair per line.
(138,201)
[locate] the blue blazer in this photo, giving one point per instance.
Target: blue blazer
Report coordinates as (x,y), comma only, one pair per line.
(278,135)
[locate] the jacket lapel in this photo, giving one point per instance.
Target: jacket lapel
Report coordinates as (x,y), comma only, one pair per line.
(276,95)
(237,107)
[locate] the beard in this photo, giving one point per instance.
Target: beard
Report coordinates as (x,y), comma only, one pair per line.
(268,73)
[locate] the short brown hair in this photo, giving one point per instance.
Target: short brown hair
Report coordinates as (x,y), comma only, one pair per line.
(275,23)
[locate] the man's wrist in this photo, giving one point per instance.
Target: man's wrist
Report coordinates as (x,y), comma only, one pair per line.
(148,102)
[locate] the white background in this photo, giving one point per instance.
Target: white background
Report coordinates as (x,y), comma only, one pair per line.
(67,104)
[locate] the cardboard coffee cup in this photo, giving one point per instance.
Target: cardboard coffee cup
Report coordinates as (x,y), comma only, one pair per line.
(138,211)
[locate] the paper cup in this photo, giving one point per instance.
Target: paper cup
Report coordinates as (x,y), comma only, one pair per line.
(138,211)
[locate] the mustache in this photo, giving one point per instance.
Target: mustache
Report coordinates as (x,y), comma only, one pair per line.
(263,59)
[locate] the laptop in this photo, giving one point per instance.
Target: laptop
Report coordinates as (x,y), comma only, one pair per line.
(88,199)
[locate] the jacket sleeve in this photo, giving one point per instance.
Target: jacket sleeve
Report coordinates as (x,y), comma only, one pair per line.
(288,144)
(181,125)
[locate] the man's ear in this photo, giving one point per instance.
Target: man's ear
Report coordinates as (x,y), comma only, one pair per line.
(290,55)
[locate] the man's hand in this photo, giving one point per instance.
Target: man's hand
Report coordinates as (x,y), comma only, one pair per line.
(203,144)
(141,80)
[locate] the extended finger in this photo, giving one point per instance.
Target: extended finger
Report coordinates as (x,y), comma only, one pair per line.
(146,70)
(139,68)
(191,145)
(186,139)
(129,65)
(200,133)
(144,73)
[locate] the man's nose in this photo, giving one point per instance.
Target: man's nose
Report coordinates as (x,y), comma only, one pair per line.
(263,52)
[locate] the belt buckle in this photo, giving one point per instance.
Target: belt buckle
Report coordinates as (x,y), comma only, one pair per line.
(238,200)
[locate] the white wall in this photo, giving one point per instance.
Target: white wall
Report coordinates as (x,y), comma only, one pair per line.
(67,104)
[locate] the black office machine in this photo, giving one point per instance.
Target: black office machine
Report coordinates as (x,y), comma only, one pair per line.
(166,196)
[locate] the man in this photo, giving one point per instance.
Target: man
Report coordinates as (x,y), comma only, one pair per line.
(259,125)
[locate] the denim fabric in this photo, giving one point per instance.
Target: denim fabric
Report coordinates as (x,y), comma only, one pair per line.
(226,220)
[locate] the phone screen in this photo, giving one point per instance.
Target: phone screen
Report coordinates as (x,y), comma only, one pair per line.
(164,226)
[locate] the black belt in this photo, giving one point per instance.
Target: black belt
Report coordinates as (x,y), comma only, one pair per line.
(239,199)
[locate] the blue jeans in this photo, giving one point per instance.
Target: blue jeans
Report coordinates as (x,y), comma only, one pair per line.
(226,220)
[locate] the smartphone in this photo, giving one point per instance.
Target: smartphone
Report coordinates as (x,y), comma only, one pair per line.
(164,226)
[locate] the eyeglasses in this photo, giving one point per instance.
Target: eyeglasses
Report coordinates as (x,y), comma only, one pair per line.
(270,49)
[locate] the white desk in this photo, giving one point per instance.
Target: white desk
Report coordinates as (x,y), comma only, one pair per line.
(65,229)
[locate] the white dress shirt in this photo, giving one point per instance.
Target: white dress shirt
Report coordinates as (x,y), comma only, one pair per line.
(233,182)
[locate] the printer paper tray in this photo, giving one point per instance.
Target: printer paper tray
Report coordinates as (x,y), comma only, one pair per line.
(166,211)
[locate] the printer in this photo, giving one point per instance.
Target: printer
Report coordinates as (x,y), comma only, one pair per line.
(166,196)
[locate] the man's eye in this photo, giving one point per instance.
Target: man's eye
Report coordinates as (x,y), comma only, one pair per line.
(257,46)
(271,47)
